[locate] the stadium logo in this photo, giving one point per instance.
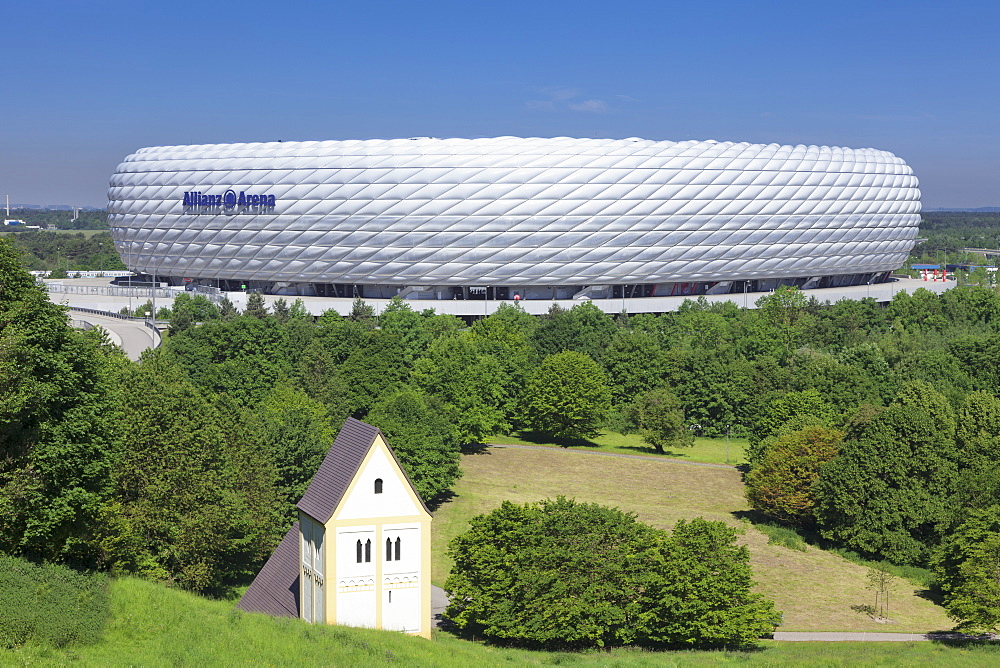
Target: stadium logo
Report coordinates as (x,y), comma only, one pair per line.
(228,202)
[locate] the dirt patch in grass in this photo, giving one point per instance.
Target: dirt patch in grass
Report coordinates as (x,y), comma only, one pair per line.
(814,589)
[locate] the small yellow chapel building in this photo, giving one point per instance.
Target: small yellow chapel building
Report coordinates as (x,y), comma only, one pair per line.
(360,553)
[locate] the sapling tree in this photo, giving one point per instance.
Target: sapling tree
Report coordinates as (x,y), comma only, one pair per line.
(880,581)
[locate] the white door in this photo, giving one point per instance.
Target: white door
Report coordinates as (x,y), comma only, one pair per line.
(401,604)
(401,573)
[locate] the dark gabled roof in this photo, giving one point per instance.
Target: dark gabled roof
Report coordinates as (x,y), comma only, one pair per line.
(275,590)
(338,469)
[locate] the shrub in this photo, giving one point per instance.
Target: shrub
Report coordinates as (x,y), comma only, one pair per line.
(50,604)
(781,485)
(704,598)
(783,536)
(566,575)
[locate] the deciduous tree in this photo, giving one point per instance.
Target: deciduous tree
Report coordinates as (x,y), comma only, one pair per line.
(244,357)
(471,386)
(780,486)
(967,567)
(422,437)
(889,490)
(56,423)
(583,328)
(705,598)
(567,396)
(660,419)
(788,412)
(187,507)
(295,432)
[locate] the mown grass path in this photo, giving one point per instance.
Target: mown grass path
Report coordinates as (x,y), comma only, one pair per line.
(705,450)
(660,458)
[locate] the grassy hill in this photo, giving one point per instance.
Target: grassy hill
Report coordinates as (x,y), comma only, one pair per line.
(155,626)
(815,589)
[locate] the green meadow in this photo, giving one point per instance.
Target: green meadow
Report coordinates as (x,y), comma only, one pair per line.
(817,590)
(704,450)
(155,626)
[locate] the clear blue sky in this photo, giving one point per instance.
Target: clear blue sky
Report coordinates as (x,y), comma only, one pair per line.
(86,83)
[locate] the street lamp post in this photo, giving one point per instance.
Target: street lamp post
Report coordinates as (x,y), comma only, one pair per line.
(152,283)
(130,282)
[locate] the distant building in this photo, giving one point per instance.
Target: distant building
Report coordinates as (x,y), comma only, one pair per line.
(495,218)
(360,553)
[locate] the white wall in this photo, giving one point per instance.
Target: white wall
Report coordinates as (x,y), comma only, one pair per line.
(386,593)
(395,499)
(356,593)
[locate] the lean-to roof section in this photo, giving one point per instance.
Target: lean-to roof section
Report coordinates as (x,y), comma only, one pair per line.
(275,590)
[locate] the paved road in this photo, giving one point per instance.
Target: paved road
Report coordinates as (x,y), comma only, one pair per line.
(830,636)
(132,335)
(439,601)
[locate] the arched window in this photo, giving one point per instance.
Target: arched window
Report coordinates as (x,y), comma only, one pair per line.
(388,549)
(368,550)
(378,485)
(359,551)
(397,549)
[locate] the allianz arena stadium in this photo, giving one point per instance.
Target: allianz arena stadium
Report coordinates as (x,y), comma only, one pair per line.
(494,218)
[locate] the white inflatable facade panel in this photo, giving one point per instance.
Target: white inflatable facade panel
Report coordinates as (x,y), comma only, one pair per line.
(511,211)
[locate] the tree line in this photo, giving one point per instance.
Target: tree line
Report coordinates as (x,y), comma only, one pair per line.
(96,219)
(891,402)
(951,230)
(44,250)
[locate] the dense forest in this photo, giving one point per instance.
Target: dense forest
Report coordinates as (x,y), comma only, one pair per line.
(67,252)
